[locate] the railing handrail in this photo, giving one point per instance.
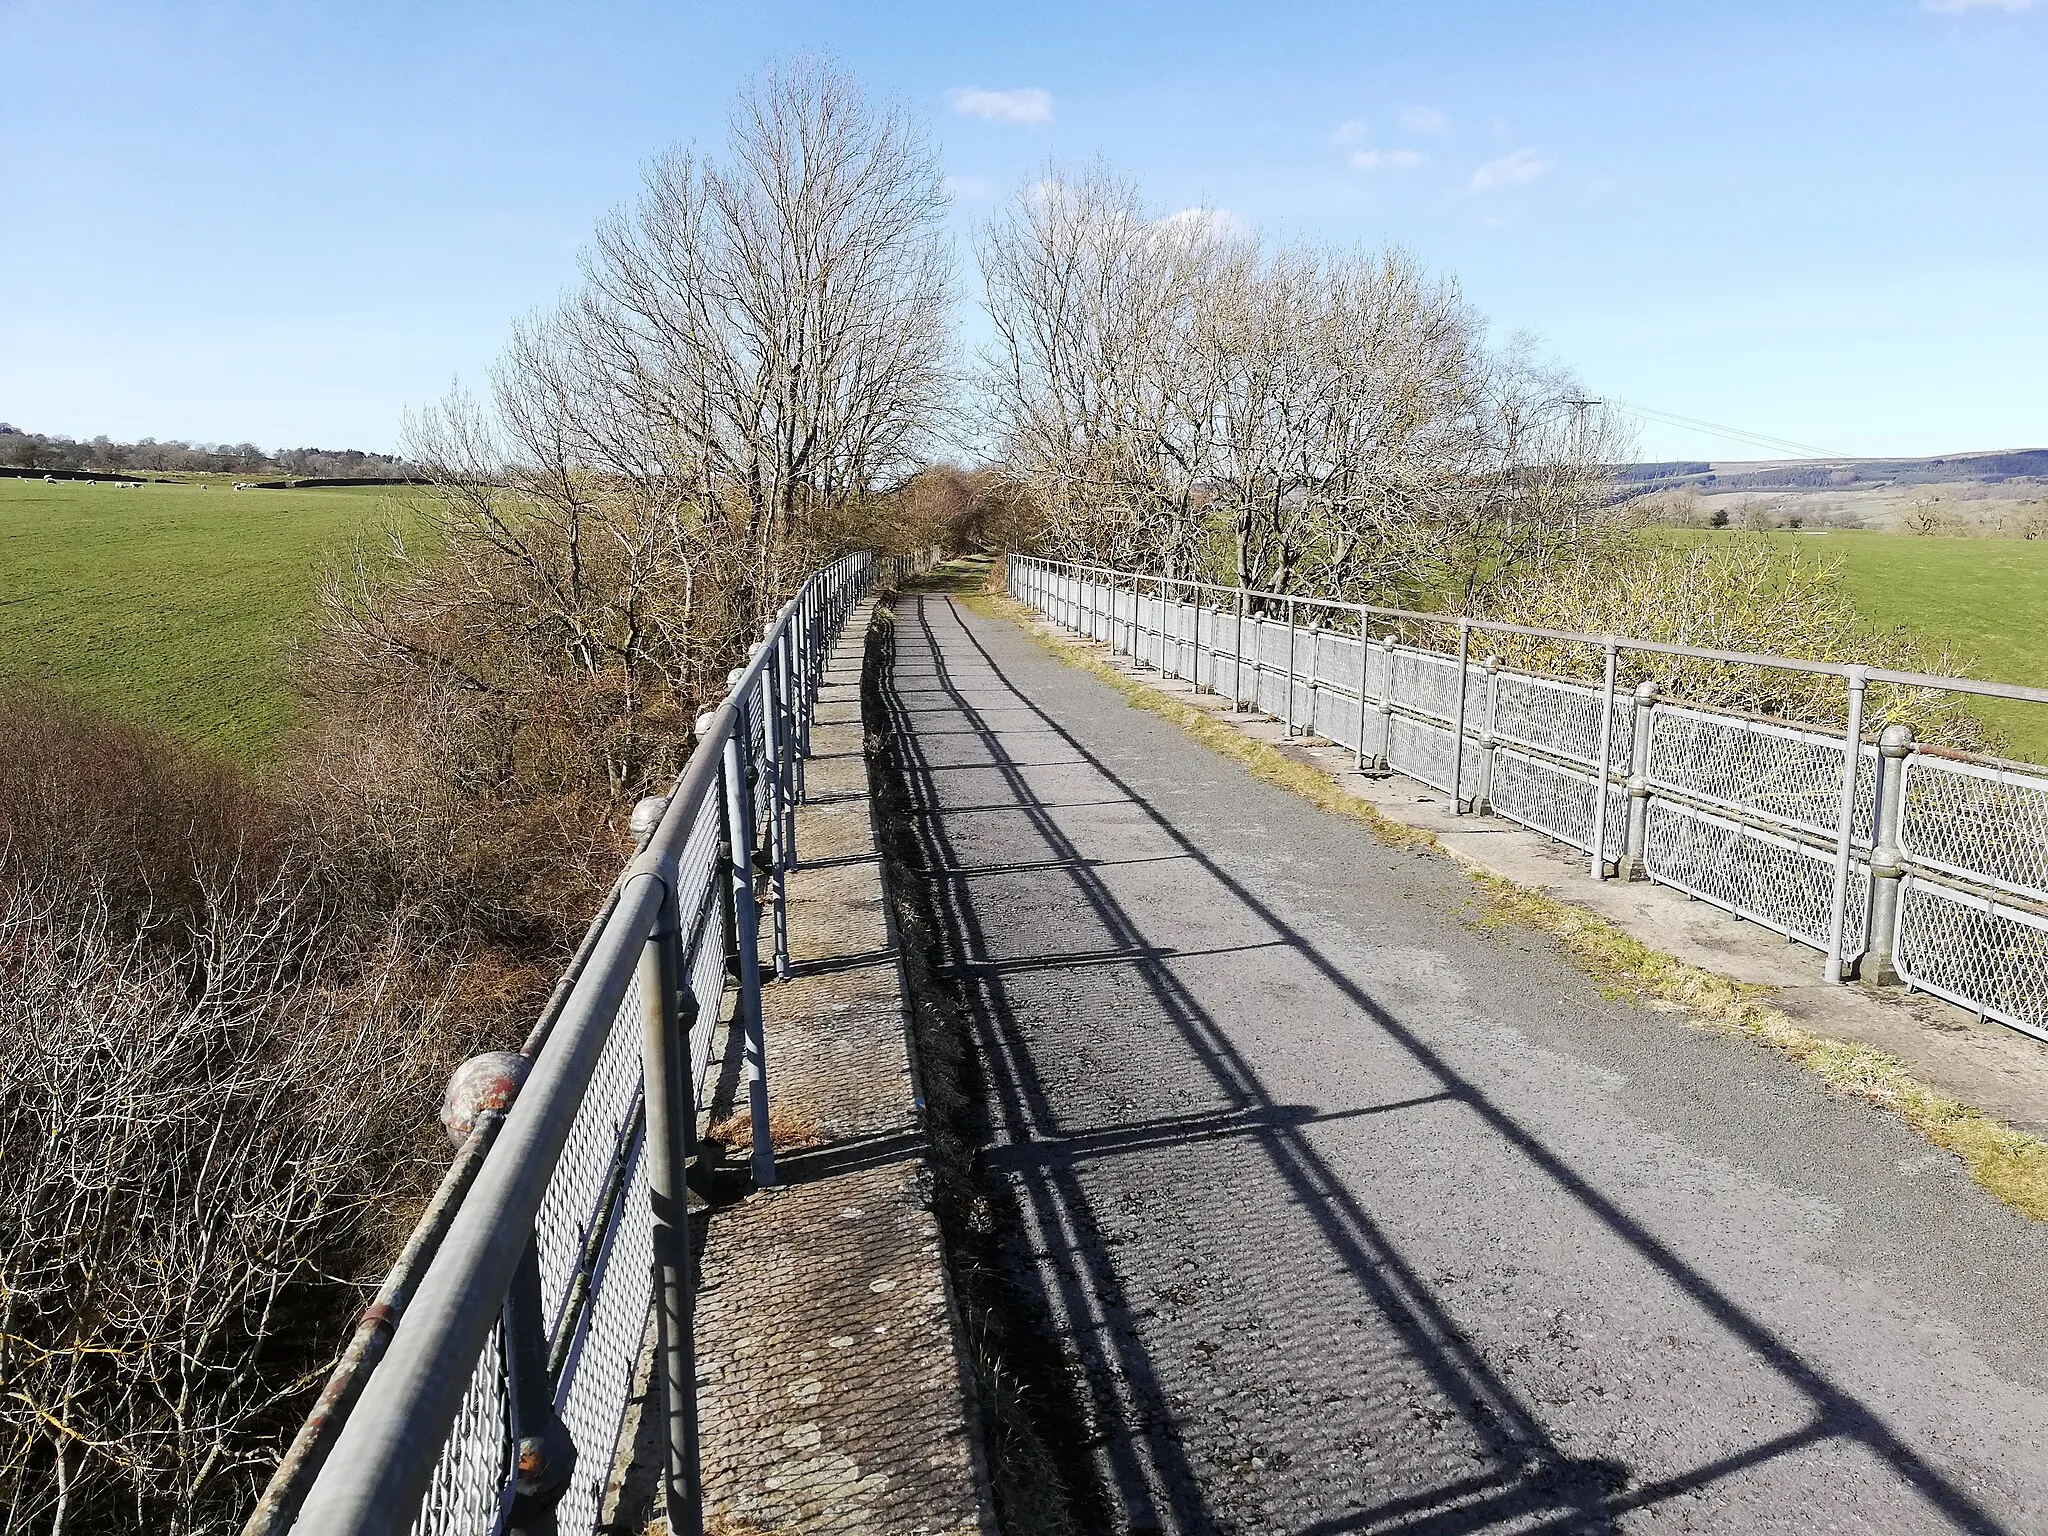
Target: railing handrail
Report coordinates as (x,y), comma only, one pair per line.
(1845,670)
(381,1463)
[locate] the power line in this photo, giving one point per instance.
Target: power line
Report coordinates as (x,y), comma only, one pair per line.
(1733,434)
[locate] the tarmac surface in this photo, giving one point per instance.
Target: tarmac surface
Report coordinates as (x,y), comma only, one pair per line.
(1342,1213)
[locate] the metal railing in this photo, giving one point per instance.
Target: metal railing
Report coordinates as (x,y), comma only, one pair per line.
(1923,865)
(486,1387)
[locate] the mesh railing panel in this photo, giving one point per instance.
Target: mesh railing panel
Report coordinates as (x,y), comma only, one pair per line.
(467,1496)
(1789,776)
(1556,801)
(1782,884)
(1424,751)
(597,1382)
(1982,823)
(1989,958)
(570,1208)
(1426,682)
(1560,718)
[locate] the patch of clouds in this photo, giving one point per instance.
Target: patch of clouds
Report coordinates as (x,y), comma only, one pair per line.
(1511,170)
(1424,120)
(1958,7)
(970,189)
(1030,104)
(1350,133)
(1215,223)
(1385,159)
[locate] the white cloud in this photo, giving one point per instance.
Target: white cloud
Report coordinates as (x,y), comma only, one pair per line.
(1513,170)
(1384,159)
(1216,223)
(1424,120)
(1027,105)
(971,189)
(1957,7)
(1350,132)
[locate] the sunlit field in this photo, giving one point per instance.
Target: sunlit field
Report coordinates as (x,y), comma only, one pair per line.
(173,603)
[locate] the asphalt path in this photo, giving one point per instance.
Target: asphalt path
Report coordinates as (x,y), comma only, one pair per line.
(1344,1212)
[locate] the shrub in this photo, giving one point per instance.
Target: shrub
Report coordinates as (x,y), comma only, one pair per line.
(1729,595)
(215,1123)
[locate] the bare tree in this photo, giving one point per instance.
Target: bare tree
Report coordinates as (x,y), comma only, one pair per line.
(770,334)
(194,1129)
(752,364)
(1176,395)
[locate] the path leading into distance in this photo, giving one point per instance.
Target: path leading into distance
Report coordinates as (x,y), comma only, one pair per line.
(1346,1214)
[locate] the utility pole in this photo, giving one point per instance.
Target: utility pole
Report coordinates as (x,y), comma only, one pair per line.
(1580,405)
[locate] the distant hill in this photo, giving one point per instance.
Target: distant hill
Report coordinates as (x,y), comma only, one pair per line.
(1995,468)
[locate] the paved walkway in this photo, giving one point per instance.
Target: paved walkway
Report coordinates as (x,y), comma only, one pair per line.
(1349,1216)
(831,1388)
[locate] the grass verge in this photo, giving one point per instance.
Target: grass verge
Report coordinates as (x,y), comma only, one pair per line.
(2010,1164)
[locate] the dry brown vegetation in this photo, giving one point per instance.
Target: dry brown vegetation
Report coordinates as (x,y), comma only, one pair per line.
(213,1121)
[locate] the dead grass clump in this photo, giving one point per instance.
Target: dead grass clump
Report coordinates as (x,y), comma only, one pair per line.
(2010,1164)
(791,1128)
(145,818)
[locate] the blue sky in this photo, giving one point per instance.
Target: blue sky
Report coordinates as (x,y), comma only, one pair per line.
(287,222)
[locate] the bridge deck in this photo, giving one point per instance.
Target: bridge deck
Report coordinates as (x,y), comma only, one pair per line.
(1346,1215)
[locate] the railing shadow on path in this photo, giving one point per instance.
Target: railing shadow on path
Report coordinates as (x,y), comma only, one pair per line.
(1517,1477)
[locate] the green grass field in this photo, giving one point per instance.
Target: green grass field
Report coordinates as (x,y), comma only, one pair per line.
(1986,598)
(176,604)
(171,603)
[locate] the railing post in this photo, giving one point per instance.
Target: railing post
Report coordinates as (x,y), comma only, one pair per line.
(774,749)
(1852,763)
(747,935)
(1385,760)
(1887,858)
(1364,673)
(1315,670)
(1198,645)
(785,675)
(1459,804)
(1482,803)
(1602,772)
(1632,865)
(1287,711)
(1237,657)
(667,1013)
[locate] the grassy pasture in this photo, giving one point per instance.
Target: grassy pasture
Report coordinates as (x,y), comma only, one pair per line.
(1987,599)
(174,603)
